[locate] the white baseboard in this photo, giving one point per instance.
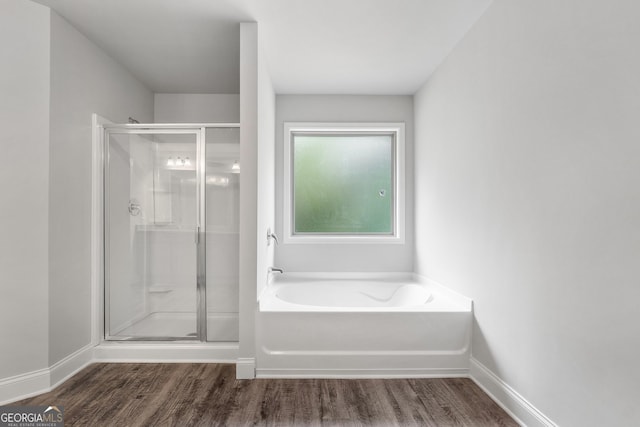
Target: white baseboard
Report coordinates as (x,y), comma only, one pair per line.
(24,386)
(246,368)
(44,380)
(507,398)
(70,365)
(362,373)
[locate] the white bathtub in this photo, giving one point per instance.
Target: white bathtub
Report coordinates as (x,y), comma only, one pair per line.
(366,325)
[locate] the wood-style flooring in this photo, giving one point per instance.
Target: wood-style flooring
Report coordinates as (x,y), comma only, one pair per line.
(107,394)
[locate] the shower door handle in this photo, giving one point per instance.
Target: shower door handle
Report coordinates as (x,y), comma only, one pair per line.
(197,236)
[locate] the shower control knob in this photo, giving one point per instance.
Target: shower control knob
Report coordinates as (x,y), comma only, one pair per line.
(134,207)
(271,236)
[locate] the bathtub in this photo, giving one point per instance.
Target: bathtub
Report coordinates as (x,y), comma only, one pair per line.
(316,325)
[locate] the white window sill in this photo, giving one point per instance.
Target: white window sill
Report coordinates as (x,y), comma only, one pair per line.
(342,240)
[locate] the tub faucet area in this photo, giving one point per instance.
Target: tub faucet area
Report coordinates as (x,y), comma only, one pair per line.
(275,270)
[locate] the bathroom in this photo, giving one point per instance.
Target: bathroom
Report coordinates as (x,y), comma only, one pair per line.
(514,197)
(177,176)
(163,164)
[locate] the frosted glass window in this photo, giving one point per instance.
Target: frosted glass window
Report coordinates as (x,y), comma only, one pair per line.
(343,184)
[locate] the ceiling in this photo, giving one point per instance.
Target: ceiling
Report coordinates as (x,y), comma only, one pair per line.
(310,46)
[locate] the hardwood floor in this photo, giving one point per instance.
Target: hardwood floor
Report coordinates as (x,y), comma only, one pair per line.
(108,394)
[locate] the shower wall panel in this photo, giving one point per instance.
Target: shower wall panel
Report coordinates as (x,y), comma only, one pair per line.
(171,277)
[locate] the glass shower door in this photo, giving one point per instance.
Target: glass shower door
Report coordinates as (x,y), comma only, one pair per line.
(152,212)
(222,224)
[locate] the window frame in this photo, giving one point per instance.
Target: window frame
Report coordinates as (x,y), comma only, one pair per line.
(398,167)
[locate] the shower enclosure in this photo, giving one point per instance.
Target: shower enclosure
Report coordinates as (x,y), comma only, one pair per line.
(171,215)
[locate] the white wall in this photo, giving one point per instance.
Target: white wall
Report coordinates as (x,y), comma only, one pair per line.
(248,196)
(196,108)
(24,223)
(84,80)
(340,108)
(527,200)
(266,171)
(257,115)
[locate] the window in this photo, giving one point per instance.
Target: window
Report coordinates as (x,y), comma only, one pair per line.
(344,183)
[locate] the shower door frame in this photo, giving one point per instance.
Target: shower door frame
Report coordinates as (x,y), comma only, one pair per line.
(199,130)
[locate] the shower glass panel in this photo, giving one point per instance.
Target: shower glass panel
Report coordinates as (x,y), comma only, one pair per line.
(222,225)
(152,206)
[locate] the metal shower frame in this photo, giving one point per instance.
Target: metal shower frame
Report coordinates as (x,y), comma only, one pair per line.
(199,130)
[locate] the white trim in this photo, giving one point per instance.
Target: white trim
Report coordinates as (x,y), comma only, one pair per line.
(24,386)
(71,365)
(125,352)
(521,410)
(363,373)
(44,380)
(41,381)
(246,368)
(399,209)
